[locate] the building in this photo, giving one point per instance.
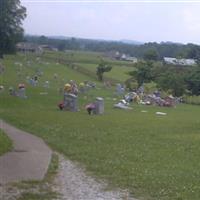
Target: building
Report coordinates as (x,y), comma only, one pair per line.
(180,62)
(46,47)
(25,47)
(129,58)
(116,55)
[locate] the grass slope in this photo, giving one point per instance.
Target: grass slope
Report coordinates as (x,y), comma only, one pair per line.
(118,72)
(155,157)
(90,61)
(5,143)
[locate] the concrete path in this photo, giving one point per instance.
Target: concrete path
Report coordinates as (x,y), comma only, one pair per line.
(29,159)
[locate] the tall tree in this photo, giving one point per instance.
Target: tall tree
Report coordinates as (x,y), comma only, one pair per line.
(143,74)
(170,81)
(102,67)
(11,16)
(151,54)
(193,81)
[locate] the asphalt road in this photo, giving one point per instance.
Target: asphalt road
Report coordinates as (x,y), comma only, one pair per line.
(29,159)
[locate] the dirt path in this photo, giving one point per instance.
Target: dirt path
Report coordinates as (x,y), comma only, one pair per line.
(74,184)
(29,159)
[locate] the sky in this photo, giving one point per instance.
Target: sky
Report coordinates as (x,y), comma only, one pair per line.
(145,21)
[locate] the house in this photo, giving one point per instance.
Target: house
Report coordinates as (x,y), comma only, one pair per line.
(113,55)
(25,47)
(48,48)
(129,58)
(181,62)
(116,55)
(126,57)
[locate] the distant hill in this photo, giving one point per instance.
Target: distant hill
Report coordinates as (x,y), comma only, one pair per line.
(125,41)
(60,37)
(129,47)
(134,42)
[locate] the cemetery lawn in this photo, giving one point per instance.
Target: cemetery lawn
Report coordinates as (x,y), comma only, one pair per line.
(5,143)
(119,73)
(154,157)
(90,61)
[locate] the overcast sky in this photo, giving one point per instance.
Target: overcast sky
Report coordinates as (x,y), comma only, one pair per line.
(146,22)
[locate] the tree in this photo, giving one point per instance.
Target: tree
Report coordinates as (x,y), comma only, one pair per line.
(61,45)
(43,39)
(102,67)
(143,74)
(11,31)
(173,82)
(151,54)
(194,53)
(193,82)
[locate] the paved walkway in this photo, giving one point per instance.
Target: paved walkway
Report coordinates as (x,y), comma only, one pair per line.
(29,159)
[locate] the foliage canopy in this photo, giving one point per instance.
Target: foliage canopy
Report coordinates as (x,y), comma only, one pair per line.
(11,31)
(102,67)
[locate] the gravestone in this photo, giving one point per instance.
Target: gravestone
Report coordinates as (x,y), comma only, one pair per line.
(82,88)
(22,91)
(1,89)
(12,91)
(32,82)
(119,89)
(46,84)
(70,102)
(99,106)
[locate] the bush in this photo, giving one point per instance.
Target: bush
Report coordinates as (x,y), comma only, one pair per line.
(192,100)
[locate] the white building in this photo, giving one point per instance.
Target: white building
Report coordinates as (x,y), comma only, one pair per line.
(182,61)
(25,47)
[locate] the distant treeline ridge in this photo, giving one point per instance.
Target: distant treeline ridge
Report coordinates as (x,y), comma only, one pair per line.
(159,50)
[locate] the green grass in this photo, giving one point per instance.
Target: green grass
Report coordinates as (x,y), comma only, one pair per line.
(86,57)
(90,61)
(5,143)
(192,100)
(155,157)
(118,72)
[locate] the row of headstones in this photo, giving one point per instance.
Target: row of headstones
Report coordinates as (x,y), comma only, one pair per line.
(21,92)
(120,89)
(71,104)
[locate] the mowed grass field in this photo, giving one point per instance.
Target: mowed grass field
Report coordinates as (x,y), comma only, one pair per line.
(90,61)
(154,157)
(118,72)
(86,57)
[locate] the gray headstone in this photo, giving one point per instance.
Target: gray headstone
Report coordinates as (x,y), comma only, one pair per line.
(22,93)
(99,106)
(70,102)
(119,89)
(46,84)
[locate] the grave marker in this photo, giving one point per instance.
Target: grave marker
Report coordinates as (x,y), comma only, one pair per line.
(99,106)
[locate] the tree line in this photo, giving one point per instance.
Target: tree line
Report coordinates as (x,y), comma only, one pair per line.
(11,32)
(156,50)
(176,80)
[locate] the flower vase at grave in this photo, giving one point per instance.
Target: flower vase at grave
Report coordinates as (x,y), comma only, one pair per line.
(22,91)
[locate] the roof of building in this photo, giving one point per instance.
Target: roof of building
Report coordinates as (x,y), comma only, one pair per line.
(26,45)
(182,61)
